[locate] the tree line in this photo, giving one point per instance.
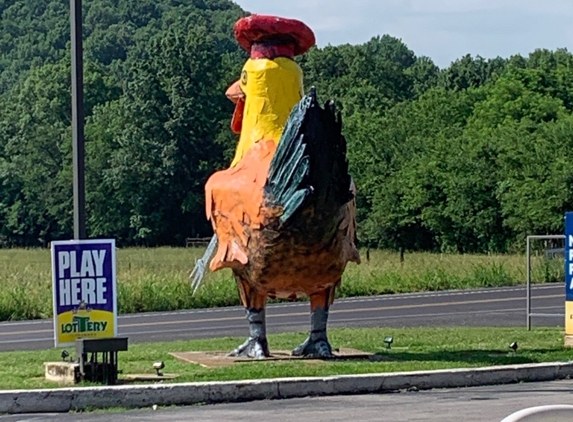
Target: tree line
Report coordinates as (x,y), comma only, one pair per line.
(469,158)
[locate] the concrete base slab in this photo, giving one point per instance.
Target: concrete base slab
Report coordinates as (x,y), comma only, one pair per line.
(148,377)
(568,340)
(219,359)
(62,372)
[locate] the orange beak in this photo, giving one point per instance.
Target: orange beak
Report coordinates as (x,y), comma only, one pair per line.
(236,95)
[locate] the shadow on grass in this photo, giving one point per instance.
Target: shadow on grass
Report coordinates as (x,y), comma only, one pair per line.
(492,357)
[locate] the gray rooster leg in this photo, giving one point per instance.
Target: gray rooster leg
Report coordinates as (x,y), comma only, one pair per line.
(256,346)
(316,345)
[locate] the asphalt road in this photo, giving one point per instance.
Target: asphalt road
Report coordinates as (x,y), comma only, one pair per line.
(475,404)
(494,307)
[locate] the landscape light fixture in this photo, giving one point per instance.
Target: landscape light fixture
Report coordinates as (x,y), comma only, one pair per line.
(158,366)
(64,355)
(513,346)
(389,341)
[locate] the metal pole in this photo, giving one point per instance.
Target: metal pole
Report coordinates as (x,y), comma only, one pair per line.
(531,314)
(528,284)
(78,119)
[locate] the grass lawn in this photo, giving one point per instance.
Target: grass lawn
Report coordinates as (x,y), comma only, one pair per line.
(413,349)
(158,279)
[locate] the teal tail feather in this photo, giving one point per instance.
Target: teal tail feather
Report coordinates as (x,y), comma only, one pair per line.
(310,170)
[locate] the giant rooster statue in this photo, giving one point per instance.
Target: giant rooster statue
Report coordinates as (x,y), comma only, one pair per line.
(284,212)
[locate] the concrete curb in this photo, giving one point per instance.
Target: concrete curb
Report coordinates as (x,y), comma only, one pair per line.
(66,399)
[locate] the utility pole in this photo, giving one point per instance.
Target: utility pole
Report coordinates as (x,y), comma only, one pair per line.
(78,143)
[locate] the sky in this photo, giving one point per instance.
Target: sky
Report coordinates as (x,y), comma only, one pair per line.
(444,30)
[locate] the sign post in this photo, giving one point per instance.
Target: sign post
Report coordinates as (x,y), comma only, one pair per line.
(569,279)
(78,119)
(84,290)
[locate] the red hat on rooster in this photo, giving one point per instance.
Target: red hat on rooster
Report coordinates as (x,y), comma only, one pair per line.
(268,37)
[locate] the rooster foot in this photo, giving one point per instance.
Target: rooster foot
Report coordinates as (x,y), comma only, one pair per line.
(316,345)
(314,348)
(256,346)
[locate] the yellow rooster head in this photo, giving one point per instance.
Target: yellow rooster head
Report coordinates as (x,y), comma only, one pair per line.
(271,82)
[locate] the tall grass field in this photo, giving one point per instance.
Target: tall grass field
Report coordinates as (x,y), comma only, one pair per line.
(158,279)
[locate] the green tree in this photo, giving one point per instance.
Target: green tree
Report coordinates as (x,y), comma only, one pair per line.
(158,142)
(469,72)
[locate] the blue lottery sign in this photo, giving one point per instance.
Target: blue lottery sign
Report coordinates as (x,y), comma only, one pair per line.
(569,256)
(84,289)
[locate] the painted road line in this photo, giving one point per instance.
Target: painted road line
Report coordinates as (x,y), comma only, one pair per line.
(361,299)
(389,297)
(273,324)
(305,313)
